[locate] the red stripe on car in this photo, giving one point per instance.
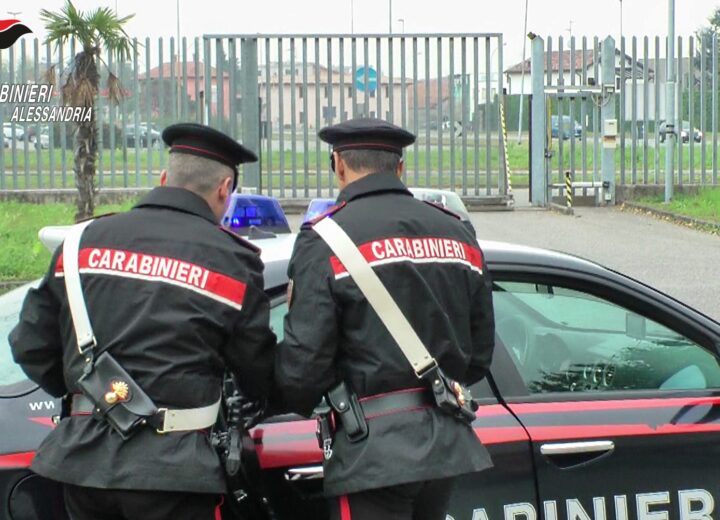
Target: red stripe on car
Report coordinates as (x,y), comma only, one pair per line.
(17,460)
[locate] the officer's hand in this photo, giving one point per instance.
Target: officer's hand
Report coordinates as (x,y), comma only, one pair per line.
(251,412)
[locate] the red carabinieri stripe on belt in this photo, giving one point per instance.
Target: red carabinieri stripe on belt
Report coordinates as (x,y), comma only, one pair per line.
(154,268)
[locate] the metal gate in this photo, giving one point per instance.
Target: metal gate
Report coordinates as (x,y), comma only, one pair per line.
(279,90)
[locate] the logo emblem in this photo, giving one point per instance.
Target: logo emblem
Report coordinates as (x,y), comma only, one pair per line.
(119,392)
(459,394)
(10,31)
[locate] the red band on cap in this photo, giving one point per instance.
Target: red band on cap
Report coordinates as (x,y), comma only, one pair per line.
(202,151)
(355,146)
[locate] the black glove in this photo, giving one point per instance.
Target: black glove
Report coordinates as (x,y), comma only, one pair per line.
(250,412)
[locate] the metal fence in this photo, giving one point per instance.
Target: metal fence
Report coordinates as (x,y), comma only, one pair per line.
(274,93)
(574,122)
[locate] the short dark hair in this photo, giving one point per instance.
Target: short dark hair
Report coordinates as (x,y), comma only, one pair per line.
(197,174)
(371,161)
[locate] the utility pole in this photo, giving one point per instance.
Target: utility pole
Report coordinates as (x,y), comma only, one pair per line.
(621,23)
(352,17)
(522,75)
(389,16)
(670,105)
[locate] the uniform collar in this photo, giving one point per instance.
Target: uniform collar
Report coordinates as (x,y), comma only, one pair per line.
(178,199)
(372,184)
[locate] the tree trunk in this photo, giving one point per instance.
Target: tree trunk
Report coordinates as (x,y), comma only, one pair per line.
(86,139)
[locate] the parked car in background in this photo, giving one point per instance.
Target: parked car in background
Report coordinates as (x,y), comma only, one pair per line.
(144,135)
(684,134)
(570,127)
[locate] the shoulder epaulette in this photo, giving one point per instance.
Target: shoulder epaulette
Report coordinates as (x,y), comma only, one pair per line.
(240,240)
(443,209)
(330,211)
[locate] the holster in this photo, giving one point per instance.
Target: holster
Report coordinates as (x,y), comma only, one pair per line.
(450,396)
(116,397)
(346,406)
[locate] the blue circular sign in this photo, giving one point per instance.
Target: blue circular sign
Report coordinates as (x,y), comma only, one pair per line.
(360,83)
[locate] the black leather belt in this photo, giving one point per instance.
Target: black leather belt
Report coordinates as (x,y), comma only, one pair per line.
(81,405)
(394,402)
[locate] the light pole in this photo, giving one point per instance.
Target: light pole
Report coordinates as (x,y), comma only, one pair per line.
(670,105)
(522,75)
(621,22)
(352,17)
(390,16)
(402,21)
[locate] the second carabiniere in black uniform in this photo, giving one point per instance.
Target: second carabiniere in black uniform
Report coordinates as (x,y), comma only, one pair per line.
(401,461)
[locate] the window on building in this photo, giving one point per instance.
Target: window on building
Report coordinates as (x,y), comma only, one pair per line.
(349,92)
(302,92)
(302,118)
(326,91)
(372,93)
(329,113)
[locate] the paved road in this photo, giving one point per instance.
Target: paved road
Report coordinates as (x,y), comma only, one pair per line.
(677,260)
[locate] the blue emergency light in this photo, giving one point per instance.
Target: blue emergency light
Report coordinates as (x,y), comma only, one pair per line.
(317,207)
(260,211)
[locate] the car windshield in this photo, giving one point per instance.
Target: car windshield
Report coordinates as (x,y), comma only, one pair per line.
(10,304)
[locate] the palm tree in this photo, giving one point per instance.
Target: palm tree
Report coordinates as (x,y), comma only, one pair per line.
(93,31)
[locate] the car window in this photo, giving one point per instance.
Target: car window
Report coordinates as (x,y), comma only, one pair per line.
(563,340)
(10,304)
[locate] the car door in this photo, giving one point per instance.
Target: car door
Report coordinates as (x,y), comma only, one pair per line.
(291,460)
(620,396)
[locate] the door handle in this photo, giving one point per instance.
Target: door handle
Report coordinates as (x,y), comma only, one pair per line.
(304,473)
(569,448)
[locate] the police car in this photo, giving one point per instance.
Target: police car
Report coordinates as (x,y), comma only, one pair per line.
(443,198)
(602,403)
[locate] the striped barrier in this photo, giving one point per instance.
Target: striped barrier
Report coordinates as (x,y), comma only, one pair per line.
(505,147)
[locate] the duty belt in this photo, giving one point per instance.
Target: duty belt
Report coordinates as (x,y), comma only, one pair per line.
(395,402)
(165,420)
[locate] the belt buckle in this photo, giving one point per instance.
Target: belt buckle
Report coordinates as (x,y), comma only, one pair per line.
(161,430)
(84,348)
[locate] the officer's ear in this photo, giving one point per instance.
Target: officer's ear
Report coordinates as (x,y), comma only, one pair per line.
(339,167)
(163,177)
(225,189)
(400,169)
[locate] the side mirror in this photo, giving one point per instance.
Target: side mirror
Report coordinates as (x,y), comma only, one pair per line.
(635,326)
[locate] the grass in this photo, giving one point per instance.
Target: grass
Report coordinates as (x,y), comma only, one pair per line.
(128,168)
(22,256)
(704,206)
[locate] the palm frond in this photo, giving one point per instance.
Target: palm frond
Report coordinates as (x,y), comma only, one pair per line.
(50,75)
(94,30)
(115,91)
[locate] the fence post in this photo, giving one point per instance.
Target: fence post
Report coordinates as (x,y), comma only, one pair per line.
(608,113)
(250,108)
(539,193)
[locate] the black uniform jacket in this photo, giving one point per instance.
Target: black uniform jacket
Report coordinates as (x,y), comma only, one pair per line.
(176,300)
(433,268)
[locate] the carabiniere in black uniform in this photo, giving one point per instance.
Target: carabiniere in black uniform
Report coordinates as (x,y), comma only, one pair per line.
(433,267)
(175,299)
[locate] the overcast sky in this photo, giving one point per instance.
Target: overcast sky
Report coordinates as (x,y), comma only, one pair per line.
(591,18)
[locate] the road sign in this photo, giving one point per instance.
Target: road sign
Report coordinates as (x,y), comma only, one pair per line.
(371,84)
